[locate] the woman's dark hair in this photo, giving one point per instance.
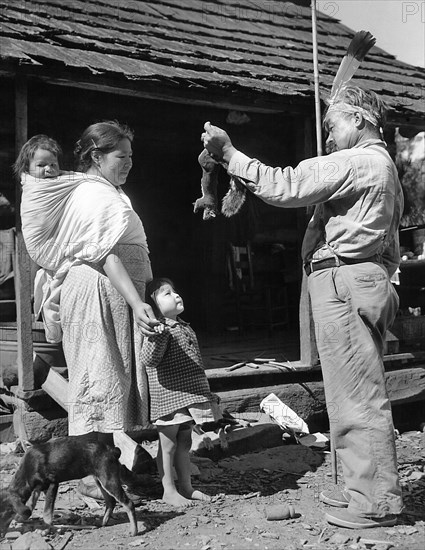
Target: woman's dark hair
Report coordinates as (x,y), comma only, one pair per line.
(152,289)
(40,141)
(101,136)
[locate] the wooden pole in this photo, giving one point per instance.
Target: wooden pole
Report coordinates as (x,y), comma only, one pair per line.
(319,154)
(308,348)
(316,80)
(22,264)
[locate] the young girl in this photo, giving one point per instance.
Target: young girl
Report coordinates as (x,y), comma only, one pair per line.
(38,157)
(180,396)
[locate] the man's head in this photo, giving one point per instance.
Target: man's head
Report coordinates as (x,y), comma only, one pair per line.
(354,116)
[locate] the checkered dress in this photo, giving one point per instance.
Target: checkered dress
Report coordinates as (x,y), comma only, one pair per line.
(175,369)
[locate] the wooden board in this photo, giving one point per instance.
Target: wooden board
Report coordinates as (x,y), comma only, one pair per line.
(308,399)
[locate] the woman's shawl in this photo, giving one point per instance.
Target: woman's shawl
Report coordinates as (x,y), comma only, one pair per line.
(68,220)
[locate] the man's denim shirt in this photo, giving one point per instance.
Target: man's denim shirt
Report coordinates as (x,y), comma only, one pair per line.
(358,196)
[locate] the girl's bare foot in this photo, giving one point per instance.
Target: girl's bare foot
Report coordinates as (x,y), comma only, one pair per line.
(197,495)
(176,499)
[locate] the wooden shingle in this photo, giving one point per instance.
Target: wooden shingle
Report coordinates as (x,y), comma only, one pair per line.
(256,47)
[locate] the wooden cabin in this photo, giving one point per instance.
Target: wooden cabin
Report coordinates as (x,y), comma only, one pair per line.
(165,68)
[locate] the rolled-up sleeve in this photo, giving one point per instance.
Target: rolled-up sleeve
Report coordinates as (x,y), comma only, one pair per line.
(313,181)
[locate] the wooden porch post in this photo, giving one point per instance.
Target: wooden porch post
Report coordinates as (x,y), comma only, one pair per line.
(22,267)
(308,348)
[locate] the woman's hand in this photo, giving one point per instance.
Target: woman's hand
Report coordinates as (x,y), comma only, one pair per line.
(119,277)
(145,319)
(217,142)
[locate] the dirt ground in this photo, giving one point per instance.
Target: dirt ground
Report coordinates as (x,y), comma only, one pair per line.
(243,488)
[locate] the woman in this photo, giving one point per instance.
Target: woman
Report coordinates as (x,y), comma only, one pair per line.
(81,228)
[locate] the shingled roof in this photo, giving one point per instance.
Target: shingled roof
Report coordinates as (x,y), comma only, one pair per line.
(256,53)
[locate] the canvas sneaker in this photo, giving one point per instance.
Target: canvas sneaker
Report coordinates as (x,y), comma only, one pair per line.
(344,518)
(335,497)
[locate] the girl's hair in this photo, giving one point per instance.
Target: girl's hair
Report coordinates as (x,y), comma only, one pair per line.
(101,136)
(40,141)
(152,290)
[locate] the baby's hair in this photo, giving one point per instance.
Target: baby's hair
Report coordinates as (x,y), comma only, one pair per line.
(28,149)
(101,136)
(152,290)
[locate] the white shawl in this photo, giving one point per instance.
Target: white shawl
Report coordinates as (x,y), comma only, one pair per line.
(65,221)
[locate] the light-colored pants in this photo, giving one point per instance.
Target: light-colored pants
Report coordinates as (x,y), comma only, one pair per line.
(352,307)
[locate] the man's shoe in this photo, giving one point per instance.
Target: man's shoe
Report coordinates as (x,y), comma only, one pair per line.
(344,518)
(335,497)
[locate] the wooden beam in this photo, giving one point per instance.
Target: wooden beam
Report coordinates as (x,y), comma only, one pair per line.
(308,348)
(170,91)
(22,266)
(308,399)
(196,95)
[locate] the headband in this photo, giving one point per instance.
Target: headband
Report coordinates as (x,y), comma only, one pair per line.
(342,107)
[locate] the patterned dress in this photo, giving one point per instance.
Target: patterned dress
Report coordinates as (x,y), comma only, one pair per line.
(175,371)
(107,382)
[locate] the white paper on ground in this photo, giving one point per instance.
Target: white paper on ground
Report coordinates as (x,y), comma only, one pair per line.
(282,414)
(314,440)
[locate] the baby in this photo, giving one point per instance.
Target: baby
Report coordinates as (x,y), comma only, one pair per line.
(38,157)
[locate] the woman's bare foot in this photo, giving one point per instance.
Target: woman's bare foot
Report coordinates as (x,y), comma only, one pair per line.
(176,499)
(196,495)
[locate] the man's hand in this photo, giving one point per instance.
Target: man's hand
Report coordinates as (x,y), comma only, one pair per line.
(145,319)
(217,142)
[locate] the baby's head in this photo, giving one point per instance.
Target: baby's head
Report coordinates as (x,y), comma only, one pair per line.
(39,157)
(163,298)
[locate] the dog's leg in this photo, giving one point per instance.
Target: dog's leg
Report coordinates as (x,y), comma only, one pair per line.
(112,491)
(49,505)
(109,502)
(34,498)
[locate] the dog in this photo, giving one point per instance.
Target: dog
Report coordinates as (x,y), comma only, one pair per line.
(45,465)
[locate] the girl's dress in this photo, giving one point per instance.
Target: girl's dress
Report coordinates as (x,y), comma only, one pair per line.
(178,387)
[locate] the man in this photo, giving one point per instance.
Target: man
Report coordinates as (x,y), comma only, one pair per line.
(350,251)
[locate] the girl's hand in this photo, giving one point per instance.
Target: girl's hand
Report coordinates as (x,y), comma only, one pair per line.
(160,328)
(145,319)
